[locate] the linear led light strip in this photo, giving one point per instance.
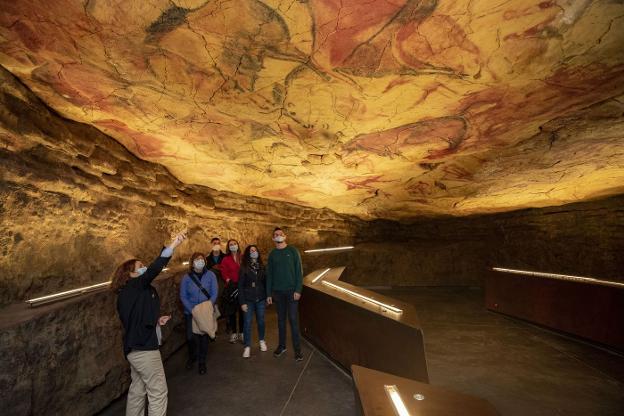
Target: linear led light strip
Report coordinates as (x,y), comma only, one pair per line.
(359,296)
(561,277)
(319,250)
(70,293)
(66,294)
(397,402)
(316,279)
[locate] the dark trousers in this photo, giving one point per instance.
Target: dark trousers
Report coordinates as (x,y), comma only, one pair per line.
(287,306)
(231,320)
(197,344)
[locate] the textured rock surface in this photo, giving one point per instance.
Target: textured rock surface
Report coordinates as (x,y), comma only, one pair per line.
(585,239)
(379,108)
(74,203)
(67,359)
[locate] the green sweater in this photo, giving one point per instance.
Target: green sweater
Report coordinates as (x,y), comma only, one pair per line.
(284,270)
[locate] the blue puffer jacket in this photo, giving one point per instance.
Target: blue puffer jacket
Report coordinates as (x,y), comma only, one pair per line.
(191,295)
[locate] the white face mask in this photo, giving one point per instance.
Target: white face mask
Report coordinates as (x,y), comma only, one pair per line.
(279,238)
(253,254)
(233,248)
(199,264)
(140,271)
(216,248)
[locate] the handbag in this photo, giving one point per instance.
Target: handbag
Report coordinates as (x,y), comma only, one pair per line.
(217,312)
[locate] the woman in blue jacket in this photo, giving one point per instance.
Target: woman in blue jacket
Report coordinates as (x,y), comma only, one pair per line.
(197,286)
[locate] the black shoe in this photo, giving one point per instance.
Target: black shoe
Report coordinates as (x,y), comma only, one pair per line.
(202,369)
(279,351)
(298,355)
(189,364)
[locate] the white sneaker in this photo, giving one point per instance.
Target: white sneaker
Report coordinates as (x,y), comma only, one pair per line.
(263,346)
(241,338)
(233,338)
(247,352)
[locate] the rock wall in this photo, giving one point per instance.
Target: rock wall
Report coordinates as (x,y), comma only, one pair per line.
(584,239)
(67,359)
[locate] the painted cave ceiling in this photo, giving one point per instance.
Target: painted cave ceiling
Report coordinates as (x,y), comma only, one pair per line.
(378,108)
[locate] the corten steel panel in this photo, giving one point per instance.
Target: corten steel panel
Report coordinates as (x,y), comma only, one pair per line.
(372,399)
(590,311)
(353,331)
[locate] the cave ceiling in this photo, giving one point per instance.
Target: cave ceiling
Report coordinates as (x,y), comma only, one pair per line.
(378,108)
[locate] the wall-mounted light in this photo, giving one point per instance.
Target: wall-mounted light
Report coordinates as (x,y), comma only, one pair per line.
(320,250)
(185,263)
(561,277)
(397,402)
(321,274)
(362,297)
(66,294)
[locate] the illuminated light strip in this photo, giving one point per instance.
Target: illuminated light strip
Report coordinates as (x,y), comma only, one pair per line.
(66,294)
(185,263)
(561,277)
(318,250)
(397,402)
(320,275)
(359,296)
(70,293)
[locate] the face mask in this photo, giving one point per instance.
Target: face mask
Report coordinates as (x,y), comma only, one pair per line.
(279,239)
(199,264)
(140,271)
(253,255)
(233,248)
(216,248)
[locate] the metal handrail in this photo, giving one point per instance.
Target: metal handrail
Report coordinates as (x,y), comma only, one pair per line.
(565,277)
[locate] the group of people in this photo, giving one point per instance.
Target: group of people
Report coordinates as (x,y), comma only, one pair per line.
(248,286)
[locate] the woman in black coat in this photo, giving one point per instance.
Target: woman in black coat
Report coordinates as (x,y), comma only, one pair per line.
(252,295)
(138,306)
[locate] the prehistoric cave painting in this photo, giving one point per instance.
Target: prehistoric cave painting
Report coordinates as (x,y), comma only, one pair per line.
(364,107)
(429,139)
(379,38)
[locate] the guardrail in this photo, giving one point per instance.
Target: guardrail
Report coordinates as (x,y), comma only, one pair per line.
(589,308)
(353,325)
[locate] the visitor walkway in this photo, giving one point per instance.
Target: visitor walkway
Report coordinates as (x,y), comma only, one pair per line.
(260,385)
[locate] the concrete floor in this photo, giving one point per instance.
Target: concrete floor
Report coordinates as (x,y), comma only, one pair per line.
(261,385)
(520,368)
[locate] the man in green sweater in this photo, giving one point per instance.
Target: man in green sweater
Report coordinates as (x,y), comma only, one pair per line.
(283,284)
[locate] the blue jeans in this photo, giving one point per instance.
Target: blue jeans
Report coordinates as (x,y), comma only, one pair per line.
(258,309)
(287,306)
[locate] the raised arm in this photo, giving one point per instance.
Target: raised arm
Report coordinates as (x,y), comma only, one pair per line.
(161,261)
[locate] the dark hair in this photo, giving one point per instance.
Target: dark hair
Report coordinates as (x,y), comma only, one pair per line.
(246,260)
(277,229)
(122,274)
(215,238)
(227,248)
(195,255)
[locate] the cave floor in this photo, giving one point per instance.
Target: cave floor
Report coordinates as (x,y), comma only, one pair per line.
(261,385)
(520,368)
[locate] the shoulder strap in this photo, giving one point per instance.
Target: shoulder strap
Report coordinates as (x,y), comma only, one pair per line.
(199,285)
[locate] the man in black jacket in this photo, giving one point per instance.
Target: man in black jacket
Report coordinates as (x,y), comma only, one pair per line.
(138,305)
